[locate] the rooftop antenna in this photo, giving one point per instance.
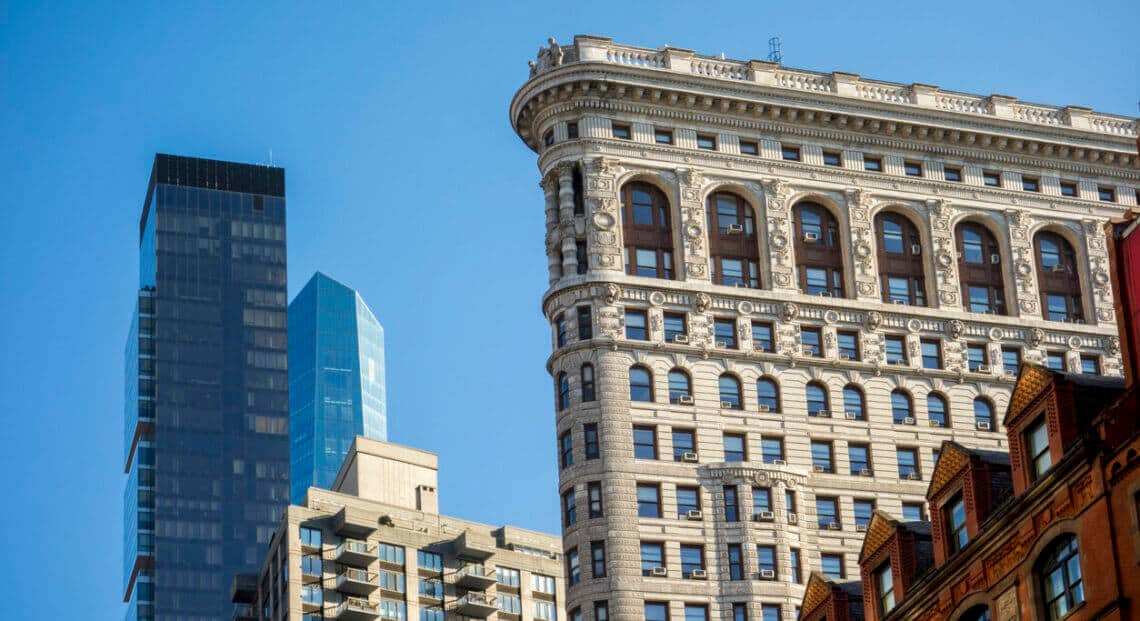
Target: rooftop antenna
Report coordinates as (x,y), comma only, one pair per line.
(270,156)
(774,53)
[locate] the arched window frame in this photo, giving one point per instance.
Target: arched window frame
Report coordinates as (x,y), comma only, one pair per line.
(1062,556)
(902,275)
(821,257)
(854,402)
(901,403)
(1059,280)
(563,386)
(680,385)
(940,398)
(813,404)
(986,275)
(655,237)
(730,391)
(635,390)
(986,422)
(589,387)
(773,403)
(734,250)
(980,612)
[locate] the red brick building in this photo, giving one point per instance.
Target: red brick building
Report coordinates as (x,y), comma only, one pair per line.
(1048,531)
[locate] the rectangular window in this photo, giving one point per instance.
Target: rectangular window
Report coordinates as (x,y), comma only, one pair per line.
(895,350)
(652,557)
(602,611)
(431,587)
(848,343)
(827,511)
(762,336)
(832,158)
(811,341)
(684,443)
(1030,184)
(544,611)
(749,147)
(622,131)
(734,449)
(430,561)
(1055,360)
(991,178)
(692,559)
(952,174)
(735,562)
(571,130)
(688,499)
(1090,365)
(590,433)
(598,559)
(706,141)
(566,450)
(789,501)
(645,443)
(977,356)
(648,500)
(761,500)
(1106,194)
(696,612)
(873,164)
(310,537)
(821,456)
(913,512)
(391,554)
(859,456)
(542,584)
(885,588)
(1068,188)
(507,576)
(770,612)
(766,561)
(731,506)
(832,566)
(392,581)
(912,169)
(636,325)
(427,613)
(772,449)
(908,463)
(594,499)
(663,136)
(585,324)
(931,354)
(794,557)
(790,153)
(573,569)
(569,509)
(1037,445)
(955,511)
(560,324)
(674,327)
(548,138)
(863,510)
(725,330)
(581,255)
(1010,358)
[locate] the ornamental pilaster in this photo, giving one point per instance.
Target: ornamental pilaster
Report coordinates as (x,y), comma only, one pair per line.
(602,202)
(1021,252)
(566,218)
(947,289)
(1099,281)
(553,243)
(864,273)
(693,234)
(778,227)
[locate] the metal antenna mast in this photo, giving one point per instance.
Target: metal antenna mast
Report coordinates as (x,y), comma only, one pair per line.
(774,53)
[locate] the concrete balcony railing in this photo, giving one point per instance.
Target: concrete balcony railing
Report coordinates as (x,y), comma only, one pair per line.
(356,581)
(356,609)
(475,576)
(476,604)
(355,552)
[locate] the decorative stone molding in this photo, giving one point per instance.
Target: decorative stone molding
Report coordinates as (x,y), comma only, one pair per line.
(945,253)
(692,212)
(605,248)
(778,226)
(865,273)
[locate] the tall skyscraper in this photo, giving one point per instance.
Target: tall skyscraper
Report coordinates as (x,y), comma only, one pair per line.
(207,402)
(336,380)
(775,292)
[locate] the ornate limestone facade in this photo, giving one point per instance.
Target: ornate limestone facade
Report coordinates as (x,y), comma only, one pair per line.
(958,232)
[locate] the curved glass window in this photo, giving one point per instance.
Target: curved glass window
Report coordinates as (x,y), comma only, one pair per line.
(853,402)
(729,391)
(816,398)
(679,386)
(640,384)
(768,394)
(901,406)
(1060,575)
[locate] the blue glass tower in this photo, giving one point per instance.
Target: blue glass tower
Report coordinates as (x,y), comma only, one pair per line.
(207,404)
(336,380)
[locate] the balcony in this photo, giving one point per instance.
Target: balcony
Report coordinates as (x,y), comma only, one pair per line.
(353,522)
(475,576)
(356,581)
(355,552)
(475,604)
(356,609)
(475,545)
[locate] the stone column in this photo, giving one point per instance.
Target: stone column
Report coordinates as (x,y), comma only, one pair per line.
(947,288)
(566,219)
(549,186)
(694,237)
(1024,275)
(864,274)
(778,225)
(602,203)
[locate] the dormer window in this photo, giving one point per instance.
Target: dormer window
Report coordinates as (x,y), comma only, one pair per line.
(884,589)
(955,516)
(1037,445)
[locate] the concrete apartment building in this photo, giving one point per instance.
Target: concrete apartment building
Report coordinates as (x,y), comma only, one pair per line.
(376,547)
(774,293)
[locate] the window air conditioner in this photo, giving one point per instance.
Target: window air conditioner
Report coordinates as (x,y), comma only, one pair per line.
(861,528)
(764,408)
(722,344)
(680,338)
(659,572)
(818,468)
(851,415)
(983,425)
(823,414)
(689,457)
(995,259)
(694,514)
(866,472)
(825,293)
(909,420)
(935,423)
(726,405)
(735,228)
(811,237)
(767,574)
(900,302)
(778,462)
(833,526)
(809,351)
(698,574)
(793,518)
(844,357)
(982,368)
(913,476)
(1057,267)
(763,516)
(685,400)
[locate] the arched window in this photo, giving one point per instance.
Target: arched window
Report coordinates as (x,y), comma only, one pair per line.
(680,388)
(937,410)
(729,392)
(980,612)
(588,393)
(1059,571)
(819,255)
(816,398)
(983,414)
(901,406)
(563,391)
(734,256)
(900,260)
(980,271)
(768,394)
(853,402)
(640,384)
(1057,278)
(646,230)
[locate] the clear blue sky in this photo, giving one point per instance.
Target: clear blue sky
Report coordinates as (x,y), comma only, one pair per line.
(404,180)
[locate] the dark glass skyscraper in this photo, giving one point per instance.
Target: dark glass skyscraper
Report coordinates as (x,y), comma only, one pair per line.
(207,401)
(336,380)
